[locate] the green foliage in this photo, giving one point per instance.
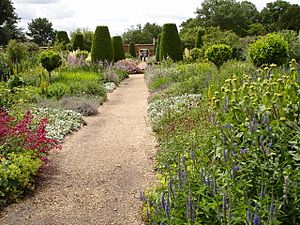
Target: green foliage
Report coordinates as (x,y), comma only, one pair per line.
(82,54)
(41,31)
(17,172)
(141,35)
(157,44)
(132,50)
(62,37)
(170,43)
(269,49)
(230,156)
(218,54)
(199,38)
(293,41)
(57,90)
(102,46)
(196,54)
(118,48)
(16,52)
(214,35)
(50,60)
(78,42)
(4,67)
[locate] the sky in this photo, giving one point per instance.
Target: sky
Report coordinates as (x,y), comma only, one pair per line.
(118,15)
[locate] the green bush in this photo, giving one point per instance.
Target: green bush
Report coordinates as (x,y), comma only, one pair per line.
(170,43)
(218,54)
(82,54)
(78,42)
(293,41)
(118,48)
(4,68)
(16,53)
(102,46)
(17,172)
(132,50)
(269,49)
(50,60)
(199,38)
(62,37)
(57,90)
(196,53)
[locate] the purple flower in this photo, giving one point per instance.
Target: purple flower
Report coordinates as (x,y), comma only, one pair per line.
(163,200)
(249,215)
(192,154)
(224,203)
(253,125)
(244,150)
(215,186)
(226,104)
(256,219)
(190,208)
(236,168)
(272,209)
(265,119)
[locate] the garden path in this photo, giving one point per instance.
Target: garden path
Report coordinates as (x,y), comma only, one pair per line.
(100,171)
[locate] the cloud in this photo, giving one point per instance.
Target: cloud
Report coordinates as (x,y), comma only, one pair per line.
(38,2)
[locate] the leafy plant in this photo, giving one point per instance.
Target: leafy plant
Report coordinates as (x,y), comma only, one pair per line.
(15,54)
(269,49)
(218,54)
(50,60)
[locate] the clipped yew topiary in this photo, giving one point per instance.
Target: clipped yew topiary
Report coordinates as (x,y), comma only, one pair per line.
(132,50)
(199,38)
(78,42)
(170,43)
(118,49)
(102,47)
(62,37)
(157,43)
(219,54)
(269,49)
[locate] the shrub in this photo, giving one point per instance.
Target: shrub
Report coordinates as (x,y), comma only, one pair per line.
(4,68)
(16,52)
(118,49)
(102,46)
(78,42)
(293,41)
(82,54)
(111,76)
(50,60)
(196,53)
(269,49)
(132,50)
(57,90)
(170,43)
(199,38)
(129,66)
(62,37)
(218,54)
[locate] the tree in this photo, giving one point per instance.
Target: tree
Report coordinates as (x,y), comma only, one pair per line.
(62,37)
(118,48)
(41,31)
(272,13)
(228,15)
(87,37)
(78,42)
(188,32)
(157,43)
(102,47)
(8,20)
(141,35)
(290,19)
(132,49)
(170,43)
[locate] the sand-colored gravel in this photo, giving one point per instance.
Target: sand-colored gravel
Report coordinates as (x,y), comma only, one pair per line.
(98,175)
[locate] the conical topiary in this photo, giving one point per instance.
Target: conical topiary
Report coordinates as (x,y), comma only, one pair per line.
(132,49)
(170,43)
(62,37)
(199,38)
(118,49)
(157,43)
(78,42)
(101,47)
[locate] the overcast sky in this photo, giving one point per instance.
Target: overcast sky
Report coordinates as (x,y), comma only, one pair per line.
(118,15)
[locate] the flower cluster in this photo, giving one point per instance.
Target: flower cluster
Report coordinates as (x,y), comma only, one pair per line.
(129,66)
(110,87)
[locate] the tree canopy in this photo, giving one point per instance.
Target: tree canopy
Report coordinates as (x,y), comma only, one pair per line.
(41,31)
(141,35)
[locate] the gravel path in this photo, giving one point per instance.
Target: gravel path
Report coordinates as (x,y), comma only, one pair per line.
(101,170)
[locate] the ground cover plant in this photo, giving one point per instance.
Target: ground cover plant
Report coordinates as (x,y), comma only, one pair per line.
(232,158)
